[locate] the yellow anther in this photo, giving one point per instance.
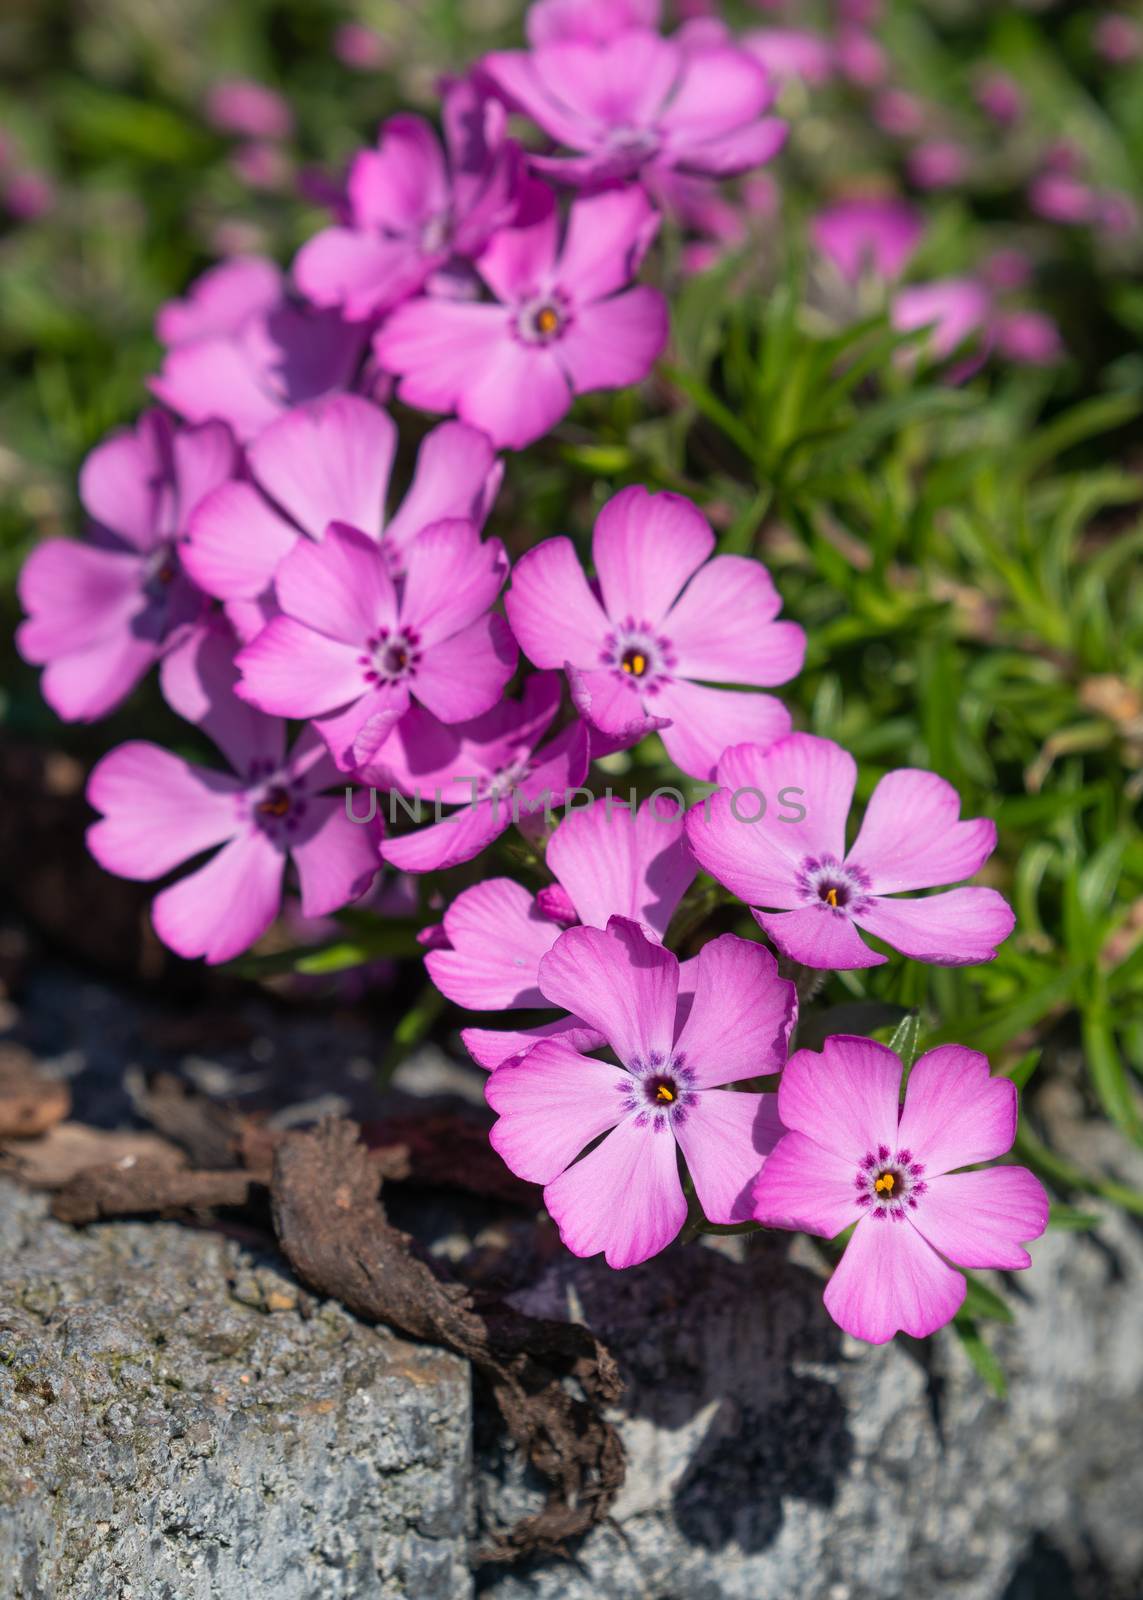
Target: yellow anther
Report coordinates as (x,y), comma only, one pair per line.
(884,1184)
(664,1094)
(276,806)
(636,664)
(547,320)
(831,896)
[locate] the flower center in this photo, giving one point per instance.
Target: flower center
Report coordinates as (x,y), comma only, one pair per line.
(639,655)
(391,655)
(277,809)
(659,1091)
(837,889)
(543,320)
(276,803)
(889,1183)
(634,662)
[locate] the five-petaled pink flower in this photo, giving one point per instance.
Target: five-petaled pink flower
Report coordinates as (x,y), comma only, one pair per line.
(607,861)
(411,212)
(241,350)
(159,811)
(624,1196)
(874,235)
(851,1155)
(587,21)
(663,619)
(102,612)
(558,326)
(353,652)
(750,837)
(639,100)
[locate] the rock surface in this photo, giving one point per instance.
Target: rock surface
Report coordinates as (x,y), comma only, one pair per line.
(177,1422)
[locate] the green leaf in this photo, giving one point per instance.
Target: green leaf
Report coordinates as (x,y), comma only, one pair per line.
(982,1302)
(905,1039)
(981,1356)
(1070,1217)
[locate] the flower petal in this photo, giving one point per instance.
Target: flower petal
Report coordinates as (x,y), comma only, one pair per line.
(912,838)
(157,810)
(805,1187)
(450,841)
(291,671)
(609,700)
(742,1015)
(624,1198)
(819,937)
(462,677)
(844,1099)
(364,273)
(340,588)
(328,461)
(983,1219)
(725,1138)
(403,182)
(955,1112)
(235,543)
(890,1280)
(704,723)
(355,734)
(336,860)
(607,237)
(615,862)
(614,343)
(553,613)
(620,982)
(645,547)
(491,1047)
(226,906)
(551,1105)
(452,576)
(954,929)
(722,627)
(497,940)
(456,475)
(122,480)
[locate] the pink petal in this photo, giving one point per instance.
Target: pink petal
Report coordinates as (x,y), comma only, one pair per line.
(607,237)
(463,676)
(718,91)
(198,679)
(844,1099)
(497,940)
(614,343)
(341,588)
(731,153)
(619,982)
(291,671)
(624,1198)
(203,458)
(226,906)
(819,937)
(742,1015)
(588,21)
(706,722)
(364,273)
(615,862)
(402,183)
(889,1280)
(215,378)
(513,72)
(235,543)
(451,579)
(955,1113)
(806,1188)
(447,843)
(553,613)
(619,85)
(157,810)
(220,300)
(121,481)
(517,262)
(954,929)
(328,461)
(725,1138)
(521,394)
(86,685)
(912,838)
(355,734)
(551,1105)
(722,627)
(456,475)
(983,1219)
(492,1047)
(645,547)
(336,860)
(610,701)
(75,595)
(561,766)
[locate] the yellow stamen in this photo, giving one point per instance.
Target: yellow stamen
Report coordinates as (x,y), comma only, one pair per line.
(276,806)
(884,1184)
(831,896)
(664,1094)
(637,664)
(547,320)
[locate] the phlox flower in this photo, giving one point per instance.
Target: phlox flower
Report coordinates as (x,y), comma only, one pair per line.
(938,164)
(411,207)
(788,53)
(489,766)
(558,326)
(639,100)
(1028,337)
(875,235)
(158,811)
(820,893)
(353,651)
(588,21)
(101,612)
(851,1155)
(665,617)
(607,861)
(330,461)
(625,1196)
(250,109)
(241,350)
(955,310)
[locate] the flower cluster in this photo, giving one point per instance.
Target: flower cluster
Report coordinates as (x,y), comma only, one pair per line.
(244,539)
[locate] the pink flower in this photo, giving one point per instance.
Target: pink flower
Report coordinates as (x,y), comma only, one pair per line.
(331,462)
(588,21)
(939,164)
(851,1156)
(1118,38)
(792,53)
(999,96)
(28,195)
(159,811)
(239,350)
(1007,269)
(1029,338)
(910,839)
(641,100)
(490,766)
(1058,197)
(411,208)
(873,235)
(261,165)
(102,612)
(624,1196)
(361,48)
(899,114)
(862,58)
(607,861)
(352,652)
(241,106)
(557,327)
(954,309)
(660,623)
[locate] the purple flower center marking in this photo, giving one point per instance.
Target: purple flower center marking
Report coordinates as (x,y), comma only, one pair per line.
(278,806)
(392,656)
(889,1183)
(659,1091)
(641,657)
(823,881)
(543,320)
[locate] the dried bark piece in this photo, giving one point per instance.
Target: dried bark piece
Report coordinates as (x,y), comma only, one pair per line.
(72,1147)
(334,1232)
(30,1104)
(139,1188)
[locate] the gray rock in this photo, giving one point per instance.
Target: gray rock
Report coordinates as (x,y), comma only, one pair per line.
(178,1422)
